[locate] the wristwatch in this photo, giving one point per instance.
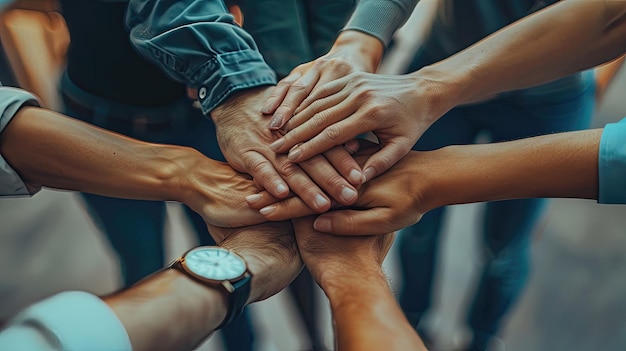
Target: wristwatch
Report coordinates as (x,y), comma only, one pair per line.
(218,267)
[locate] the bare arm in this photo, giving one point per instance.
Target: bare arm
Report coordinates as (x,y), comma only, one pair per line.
(557,165)
(562,39)
(367,316)
(365,313)
(49,149)
(169,311)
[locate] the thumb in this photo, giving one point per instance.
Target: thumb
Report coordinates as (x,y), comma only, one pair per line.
(374,221)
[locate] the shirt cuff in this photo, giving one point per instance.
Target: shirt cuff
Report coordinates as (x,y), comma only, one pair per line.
(380,19)
(231,72)
(11,100)
(612,164)
(76,320)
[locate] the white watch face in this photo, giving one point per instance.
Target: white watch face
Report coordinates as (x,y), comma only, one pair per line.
(215,263)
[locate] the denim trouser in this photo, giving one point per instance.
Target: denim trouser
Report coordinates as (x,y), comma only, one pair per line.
(506,225)
(135,228)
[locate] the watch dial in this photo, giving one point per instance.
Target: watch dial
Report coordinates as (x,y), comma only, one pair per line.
(215,263)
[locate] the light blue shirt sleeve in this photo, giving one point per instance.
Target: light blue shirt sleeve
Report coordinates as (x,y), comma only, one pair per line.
(68,321)
(612,164)
(11,100)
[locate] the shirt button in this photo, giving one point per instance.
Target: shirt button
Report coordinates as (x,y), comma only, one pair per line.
(202,93)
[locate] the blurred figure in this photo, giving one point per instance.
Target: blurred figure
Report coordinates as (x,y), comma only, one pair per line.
(108,84)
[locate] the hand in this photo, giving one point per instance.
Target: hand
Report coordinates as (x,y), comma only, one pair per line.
(327,256)
(389,202)
(245,140)
(398,109)
(269,250)
(214,190)
(352,51)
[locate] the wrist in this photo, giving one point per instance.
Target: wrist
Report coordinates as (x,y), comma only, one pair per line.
(168,310)
(341,282)
(359,48)
(173,168)
(271,255)
(441,89)
(230,110)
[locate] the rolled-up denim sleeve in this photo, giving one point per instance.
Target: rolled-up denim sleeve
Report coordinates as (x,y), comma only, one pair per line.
(612,164)
(381,18)
(196,42)
(11,100)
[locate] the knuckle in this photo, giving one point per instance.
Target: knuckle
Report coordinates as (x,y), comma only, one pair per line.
(288,169)
(383,163)
(349,224)
(256,168)
(319,120)
(336,182)
(332,132)
(342,66)
(321,62)
(299,87)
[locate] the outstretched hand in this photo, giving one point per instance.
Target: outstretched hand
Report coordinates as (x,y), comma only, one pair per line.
(244,139)
(397,109)
(390,202)
(352,52)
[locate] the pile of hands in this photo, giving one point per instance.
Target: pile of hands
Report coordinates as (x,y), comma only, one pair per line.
(300,186)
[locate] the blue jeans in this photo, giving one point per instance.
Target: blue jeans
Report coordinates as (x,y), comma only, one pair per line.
(135,228)
(507,225)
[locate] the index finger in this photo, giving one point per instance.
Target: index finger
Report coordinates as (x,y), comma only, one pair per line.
(296,93)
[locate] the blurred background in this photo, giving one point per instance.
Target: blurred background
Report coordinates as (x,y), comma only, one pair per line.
(575,298)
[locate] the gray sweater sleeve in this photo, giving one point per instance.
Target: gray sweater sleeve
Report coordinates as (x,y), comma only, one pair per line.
(380,18)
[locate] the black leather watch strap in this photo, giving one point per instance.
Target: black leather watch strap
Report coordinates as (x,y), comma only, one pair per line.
(237,299)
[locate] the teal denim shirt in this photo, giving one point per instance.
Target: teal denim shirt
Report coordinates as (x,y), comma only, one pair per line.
(196,42)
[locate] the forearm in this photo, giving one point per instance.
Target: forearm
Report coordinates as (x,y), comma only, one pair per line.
(168,311)
(361,49)
(49,149)
(366,315)
(563,165)
(563,39)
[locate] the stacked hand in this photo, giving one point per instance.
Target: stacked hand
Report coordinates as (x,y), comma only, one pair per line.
(270,251)
(397,109)
(245,139)
(390,202)
(352,52)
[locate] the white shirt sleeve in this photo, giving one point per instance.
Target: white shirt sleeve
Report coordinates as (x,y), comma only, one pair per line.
(68,321)
(11,100)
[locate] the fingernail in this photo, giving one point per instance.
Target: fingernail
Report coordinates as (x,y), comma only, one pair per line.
(320,201)
(266,109)
(368,174)
(276,121)
(347,194)
(267,210)
(294,154)
(277,144)
(355,177)
(322,224)
(253,198)
(281,188)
